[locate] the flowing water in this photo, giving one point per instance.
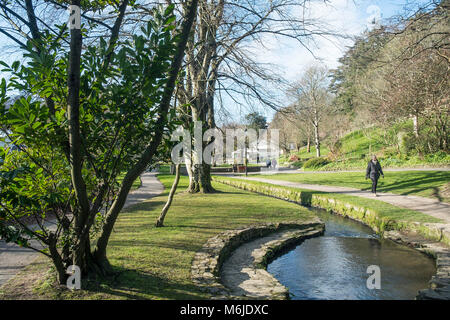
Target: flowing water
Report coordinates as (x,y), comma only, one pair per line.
(334,266)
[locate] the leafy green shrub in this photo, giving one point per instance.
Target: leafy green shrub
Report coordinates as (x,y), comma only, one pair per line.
(436,157)
(297,164)
(408,143)
(315,163)
(390,153)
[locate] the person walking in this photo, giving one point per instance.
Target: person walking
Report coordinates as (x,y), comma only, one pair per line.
(373,172)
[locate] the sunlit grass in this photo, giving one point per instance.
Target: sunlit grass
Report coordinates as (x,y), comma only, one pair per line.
(382,209)
(419,183)
(154,263)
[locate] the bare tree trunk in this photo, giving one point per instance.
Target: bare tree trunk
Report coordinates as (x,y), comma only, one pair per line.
(308,145)
(140,166)
(317,139)
(200,177)
(162,216)
(415,119)
(190,172)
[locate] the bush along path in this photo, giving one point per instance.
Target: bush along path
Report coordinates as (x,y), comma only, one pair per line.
(13,258)
(423,232)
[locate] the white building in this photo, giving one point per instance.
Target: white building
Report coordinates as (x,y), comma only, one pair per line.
(256,154)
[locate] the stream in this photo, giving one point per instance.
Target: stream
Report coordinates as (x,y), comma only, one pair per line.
(334,266)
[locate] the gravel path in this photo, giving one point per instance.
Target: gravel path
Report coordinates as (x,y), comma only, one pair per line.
(13,258)
(427,206)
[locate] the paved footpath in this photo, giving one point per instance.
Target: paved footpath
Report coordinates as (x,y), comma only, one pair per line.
(425,205)
(286,170)
(13,258)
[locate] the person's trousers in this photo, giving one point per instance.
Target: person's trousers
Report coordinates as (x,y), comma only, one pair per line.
(374,184)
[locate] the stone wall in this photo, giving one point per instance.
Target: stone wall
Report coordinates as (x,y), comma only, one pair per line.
(207,262)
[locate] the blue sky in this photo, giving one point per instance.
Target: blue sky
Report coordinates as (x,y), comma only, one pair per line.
(288,57)
(348,17)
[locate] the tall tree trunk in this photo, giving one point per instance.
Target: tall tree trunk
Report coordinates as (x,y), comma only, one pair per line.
(201,179)
(317,139)
(162,216)
(308,145)
(146,158)
(82,209)
(200,176)
(415,119)
(190,171)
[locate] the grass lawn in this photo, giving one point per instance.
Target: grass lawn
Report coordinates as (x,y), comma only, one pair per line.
(431,184)
(381,208)
(154,263)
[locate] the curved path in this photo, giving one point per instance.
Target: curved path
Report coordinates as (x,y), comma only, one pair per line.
(13,258)
(427,206)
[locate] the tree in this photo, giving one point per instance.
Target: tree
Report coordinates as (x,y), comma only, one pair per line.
(218,62)
(162,216)
(256,121)
(397,72)
(353,65)
(74,141)
(408,78)
(313,99)
(293,129)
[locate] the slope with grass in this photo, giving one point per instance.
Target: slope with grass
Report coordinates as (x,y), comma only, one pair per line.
(155,263)
(357,147)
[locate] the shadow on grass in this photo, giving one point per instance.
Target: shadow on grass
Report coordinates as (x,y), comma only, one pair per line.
(404,184)
(136,285)
(414,184)
(143,206)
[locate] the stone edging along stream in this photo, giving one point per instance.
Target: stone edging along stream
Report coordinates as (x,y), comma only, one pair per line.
(208,261)
(428,238)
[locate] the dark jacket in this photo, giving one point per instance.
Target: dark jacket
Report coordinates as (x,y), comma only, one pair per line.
(374,170)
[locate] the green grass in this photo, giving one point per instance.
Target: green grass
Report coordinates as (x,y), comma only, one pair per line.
(420,183)
(361,142)
(358,146)
(382,209)
(136,184)
(354,145)
(154,263)
(303,154)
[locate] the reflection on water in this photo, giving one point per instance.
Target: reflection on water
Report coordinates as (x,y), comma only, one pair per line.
(334,266)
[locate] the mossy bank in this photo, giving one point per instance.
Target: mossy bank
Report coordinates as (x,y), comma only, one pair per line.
(378,215)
